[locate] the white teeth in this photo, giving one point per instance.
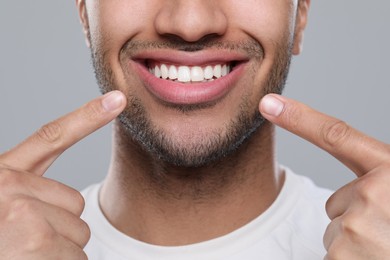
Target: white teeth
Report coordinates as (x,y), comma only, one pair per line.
(197,74)
(164,71)
(218,71)
(187,74)
(208,72)
(157,71)
(184,74)
(172,73)
(224,70)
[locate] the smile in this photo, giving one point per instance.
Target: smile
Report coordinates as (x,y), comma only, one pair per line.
(189,78)
(189,74)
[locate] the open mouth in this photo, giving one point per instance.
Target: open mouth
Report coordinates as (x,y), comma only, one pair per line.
(189,74)
(189,78)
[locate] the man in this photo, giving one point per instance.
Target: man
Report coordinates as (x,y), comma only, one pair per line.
(193,175)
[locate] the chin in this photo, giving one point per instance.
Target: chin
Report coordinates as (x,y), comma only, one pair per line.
(194,149)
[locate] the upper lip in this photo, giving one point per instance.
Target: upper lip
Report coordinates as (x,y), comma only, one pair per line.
(199,58)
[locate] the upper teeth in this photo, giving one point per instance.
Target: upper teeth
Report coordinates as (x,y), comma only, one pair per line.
(190,74)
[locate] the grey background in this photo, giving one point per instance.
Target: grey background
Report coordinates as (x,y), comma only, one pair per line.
(45,72)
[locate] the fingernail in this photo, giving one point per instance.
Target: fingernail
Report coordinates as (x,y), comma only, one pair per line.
(272,105)
(112,101)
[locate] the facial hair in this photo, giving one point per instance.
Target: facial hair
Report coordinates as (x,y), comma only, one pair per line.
(216,144)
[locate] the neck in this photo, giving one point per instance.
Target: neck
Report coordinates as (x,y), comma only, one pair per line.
(165,205)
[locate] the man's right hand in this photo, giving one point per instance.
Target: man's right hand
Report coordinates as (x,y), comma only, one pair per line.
(39,217)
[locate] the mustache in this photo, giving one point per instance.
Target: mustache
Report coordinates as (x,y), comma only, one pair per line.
(250,47)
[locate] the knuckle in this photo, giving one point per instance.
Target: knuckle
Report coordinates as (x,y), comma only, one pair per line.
(19,208)
(334,132)
(292,117)
(40,241)
(71,200)
(85,233)
(335,251)
(93,111)
(326,239)
(329,206)
(50,133)
(78,202)
(350,225)
(368,189)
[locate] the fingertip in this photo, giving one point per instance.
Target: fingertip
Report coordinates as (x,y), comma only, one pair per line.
(272,105)
(113,101)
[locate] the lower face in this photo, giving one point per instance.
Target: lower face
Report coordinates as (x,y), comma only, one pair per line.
(191,103)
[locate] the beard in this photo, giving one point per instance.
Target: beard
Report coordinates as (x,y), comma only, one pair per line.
(212,146)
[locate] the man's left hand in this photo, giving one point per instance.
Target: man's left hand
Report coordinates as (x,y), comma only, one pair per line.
(359,211)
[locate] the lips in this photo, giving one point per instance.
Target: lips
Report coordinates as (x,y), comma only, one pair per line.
(189,78)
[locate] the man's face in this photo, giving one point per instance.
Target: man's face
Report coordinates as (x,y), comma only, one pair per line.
(193,71)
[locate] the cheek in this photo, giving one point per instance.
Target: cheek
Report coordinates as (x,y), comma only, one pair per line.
(267,21)
(271,23)
(114,22)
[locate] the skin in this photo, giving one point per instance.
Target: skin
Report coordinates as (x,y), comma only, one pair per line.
(193,132)
(181,197)
(34,209)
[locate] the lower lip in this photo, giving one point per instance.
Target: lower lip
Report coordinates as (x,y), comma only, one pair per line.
(188,93)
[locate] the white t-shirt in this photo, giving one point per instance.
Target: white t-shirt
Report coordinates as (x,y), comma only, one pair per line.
(291,228)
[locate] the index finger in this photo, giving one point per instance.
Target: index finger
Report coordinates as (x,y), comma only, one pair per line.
(356,150)
(39,151)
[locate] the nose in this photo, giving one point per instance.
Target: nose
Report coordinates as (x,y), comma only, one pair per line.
(191,20)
